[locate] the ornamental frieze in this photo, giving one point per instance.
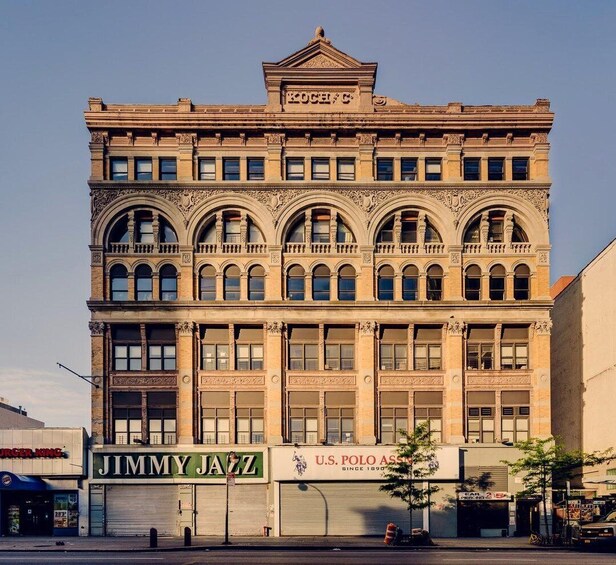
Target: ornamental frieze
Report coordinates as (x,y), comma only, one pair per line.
(121,380)
(412,381)
(187,199)
(229,381)
(303,381)
(498,380)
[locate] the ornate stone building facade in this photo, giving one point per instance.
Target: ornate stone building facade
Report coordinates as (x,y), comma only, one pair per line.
(323,270)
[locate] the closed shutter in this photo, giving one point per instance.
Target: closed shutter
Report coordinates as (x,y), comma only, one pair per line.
(339,509)
(247,510)
(133,509)
(492,478)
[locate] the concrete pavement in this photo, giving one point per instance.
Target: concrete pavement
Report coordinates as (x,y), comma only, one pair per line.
(127,544)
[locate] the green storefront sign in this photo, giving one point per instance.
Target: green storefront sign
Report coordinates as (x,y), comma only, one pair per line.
(176,465)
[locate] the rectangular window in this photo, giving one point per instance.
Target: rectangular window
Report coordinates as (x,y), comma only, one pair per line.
(496,168)
(433,169)
(320,230)
(408,169)
(480,355)
(256,170)
(320,169)
(231,169)
(215,418)
(515,414)
(346,169)
(215,357)
(207,169)
(161,357)
(119,168)
(126,410)
(303,356)
(249,423)
(168,169)
(428,408)
(472,169)
(295,169)
(161,418)
(143,169)
(304,417)
(340,348)
(520,168)
(340,417)
(392,421)
(393,349)
(384,169)
(127,357)
(611,473)
(427,348)
(480,417)
(514,348)
(249,357)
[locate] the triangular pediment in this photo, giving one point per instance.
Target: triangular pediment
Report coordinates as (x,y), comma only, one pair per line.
(319,55)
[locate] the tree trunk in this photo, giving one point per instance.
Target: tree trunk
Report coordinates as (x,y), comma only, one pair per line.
(545,511)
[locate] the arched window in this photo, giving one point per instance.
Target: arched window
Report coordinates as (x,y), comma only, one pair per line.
(295,283)
(119,282)
(232,283)
(119,232)
(497,283)
(432,235)
(472,283)
(168,283)
(385,283)
(521,283)
(346,283)
(167,234)
(471,235)
(386,235)
(434,282)
(207,283)
(256,283)
(320,283)
(410,280)
(143,283)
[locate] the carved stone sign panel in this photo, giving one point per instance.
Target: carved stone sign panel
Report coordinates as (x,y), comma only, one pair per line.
(318,100)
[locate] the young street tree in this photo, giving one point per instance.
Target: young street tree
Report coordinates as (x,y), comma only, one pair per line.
(415,463)
(546,463)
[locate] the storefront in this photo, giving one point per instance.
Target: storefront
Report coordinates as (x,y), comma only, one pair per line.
(134,490)
(483,514)
(335,491)
(41,473)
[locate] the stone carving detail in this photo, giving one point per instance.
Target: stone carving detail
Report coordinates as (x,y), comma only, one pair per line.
(97,257)
(543,257)
(367,328)
(379,100)
(98,137)
(366,138)
(319,35)
(341,380)
(454,258)
(543,327)
(412,381)
(220,381)
(188,199)
(456,327)
(186,258)
(502,380)
(96,328)
(541,137)
(275,257)
(320,61)
(274,328)
(185,328)
(366,258)
(274,138)
(185,138)
(121,380)
(453,139)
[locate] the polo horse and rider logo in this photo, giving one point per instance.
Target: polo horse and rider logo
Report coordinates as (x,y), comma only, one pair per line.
(300,463)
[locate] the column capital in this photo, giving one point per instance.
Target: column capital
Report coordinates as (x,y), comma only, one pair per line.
(275,328)
(185,328)
(367,327)
(543,327)
(456,327)
(97,329)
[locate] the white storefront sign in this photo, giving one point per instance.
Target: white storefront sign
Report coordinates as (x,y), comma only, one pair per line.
(360,463)
(485,495)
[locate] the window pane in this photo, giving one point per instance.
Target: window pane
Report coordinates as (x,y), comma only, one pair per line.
(231,169)
(255,169)
(207,169)
(385,169)
(143,169)
(409,169)
(295,169)
(168,169)
(346,169)
(119,169)
(320,169)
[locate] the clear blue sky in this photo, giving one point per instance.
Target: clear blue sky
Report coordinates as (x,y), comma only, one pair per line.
(54,55)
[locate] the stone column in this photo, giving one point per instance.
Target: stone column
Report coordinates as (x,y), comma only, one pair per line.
(273,381)
(540,420)
(186,374)
(273,282)
(365,276)
(452,169)
(98,141)
(366,387)
(454,382)
(539,170)
(186,143)
(456,275)
(97,360)
(186,280)
(366,142)
(97,274)
(273,162)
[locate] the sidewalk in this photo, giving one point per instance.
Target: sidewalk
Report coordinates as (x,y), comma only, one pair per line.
(124,544)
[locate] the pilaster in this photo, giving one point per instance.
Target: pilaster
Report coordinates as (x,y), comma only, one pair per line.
(273,381)
(454,381)
(366,394)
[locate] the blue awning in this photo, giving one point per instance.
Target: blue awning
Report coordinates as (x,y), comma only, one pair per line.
(11,481)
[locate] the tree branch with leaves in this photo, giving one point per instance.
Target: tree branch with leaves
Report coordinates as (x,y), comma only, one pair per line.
(406,477)
(546,463)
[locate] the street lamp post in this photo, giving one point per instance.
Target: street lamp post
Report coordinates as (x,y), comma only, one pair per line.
(231,458)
